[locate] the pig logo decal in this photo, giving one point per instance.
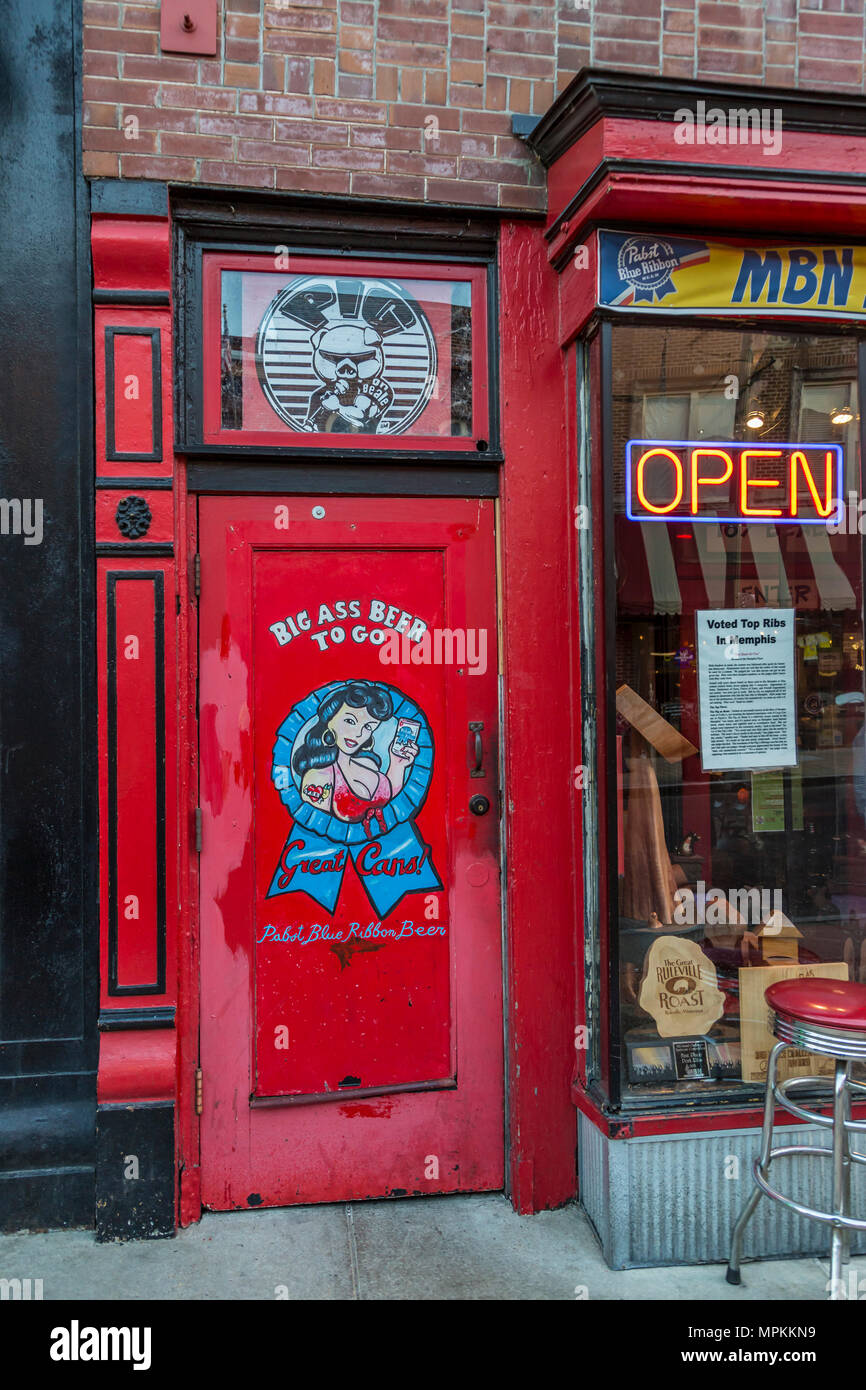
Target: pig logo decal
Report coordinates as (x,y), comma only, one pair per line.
(346,355)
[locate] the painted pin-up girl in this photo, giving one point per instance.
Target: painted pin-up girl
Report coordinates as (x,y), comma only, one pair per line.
(337,764)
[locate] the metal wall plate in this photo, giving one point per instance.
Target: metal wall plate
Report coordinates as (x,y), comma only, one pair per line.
(188,26)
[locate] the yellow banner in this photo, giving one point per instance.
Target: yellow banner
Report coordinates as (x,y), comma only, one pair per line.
(684,275)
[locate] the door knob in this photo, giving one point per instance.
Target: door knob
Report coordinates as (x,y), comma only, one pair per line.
(479,805)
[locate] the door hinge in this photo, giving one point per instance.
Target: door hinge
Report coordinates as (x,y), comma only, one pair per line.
(198,1098)
(198,830)
(196,575)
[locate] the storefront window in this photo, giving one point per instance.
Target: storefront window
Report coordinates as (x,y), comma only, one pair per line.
(343,354)
(739,738)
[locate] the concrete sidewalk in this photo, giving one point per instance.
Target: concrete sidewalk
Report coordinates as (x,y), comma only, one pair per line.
(414,1248)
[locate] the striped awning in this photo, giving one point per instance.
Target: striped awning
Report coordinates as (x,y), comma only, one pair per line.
(676,567)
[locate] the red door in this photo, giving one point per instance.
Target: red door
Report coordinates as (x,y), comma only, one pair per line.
(351,950)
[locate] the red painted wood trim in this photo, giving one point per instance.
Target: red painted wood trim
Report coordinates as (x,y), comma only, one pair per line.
(723,208)
(122,348)
(135,772)
(800,150)
(540,747)
(160,505)
(136,1066)
(624,138)
(569,173)
(681,1122)
(578,287)
(131,253)
(188,1007)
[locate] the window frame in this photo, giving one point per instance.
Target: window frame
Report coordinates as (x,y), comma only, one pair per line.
(606,1080)
(201,261)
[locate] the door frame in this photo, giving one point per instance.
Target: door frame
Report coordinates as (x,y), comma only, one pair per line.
(525,1025)
(189,1000)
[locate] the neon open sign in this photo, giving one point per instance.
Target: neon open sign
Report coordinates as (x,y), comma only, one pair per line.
(700,480)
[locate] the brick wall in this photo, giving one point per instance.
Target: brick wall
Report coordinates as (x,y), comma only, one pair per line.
(413,98)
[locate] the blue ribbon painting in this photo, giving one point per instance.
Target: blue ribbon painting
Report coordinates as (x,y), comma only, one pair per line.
(352,764)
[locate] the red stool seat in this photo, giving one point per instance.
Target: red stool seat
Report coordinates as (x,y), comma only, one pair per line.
(825,1003)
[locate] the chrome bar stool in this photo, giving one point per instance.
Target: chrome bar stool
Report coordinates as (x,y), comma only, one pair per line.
(827,1017)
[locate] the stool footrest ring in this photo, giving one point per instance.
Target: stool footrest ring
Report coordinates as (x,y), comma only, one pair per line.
(812,1116)
(828,1217)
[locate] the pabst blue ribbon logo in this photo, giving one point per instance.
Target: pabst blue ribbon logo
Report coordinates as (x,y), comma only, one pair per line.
(352,764)
(346,355)
(647,263)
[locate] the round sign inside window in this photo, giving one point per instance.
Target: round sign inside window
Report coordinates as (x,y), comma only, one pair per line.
(346,355)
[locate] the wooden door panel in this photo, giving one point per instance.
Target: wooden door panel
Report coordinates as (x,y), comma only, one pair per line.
(351,942)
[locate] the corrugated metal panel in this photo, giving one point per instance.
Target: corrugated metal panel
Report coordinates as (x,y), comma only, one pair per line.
(593,1178)
(673,1200)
